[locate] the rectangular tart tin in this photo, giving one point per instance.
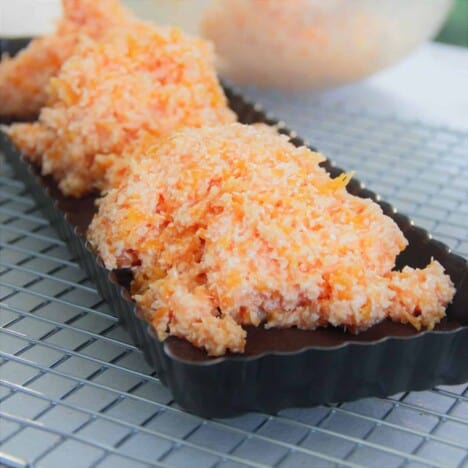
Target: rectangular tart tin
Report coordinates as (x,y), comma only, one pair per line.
(280,368)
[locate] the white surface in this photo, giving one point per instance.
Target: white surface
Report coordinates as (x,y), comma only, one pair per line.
(430,85)
(28,17)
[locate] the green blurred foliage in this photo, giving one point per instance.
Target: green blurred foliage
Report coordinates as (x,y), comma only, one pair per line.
(455,30)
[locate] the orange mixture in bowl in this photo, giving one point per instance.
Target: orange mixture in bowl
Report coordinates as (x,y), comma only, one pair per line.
(233,225)
(118,94)
(24,78)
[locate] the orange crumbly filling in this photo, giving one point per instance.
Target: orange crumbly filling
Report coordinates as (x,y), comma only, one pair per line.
(233,225)
(24,78)
(116,95)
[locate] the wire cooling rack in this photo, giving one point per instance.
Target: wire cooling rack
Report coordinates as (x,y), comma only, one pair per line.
(74,391)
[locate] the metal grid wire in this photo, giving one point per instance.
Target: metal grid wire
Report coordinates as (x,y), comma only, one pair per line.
(74,391)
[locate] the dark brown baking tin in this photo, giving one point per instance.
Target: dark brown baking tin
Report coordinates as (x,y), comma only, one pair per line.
(13,45)
(281,368)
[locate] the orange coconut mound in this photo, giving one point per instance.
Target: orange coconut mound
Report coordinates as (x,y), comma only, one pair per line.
(110,96)
(233,225)
(24,78)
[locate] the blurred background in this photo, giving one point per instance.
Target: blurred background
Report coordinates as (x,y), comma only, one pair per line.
(317,44)
(376,55)
(13,20)
(41,12)
(399,25)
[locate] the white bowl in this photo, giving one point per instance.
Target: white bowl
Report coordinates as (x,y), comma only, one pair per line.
(303,43)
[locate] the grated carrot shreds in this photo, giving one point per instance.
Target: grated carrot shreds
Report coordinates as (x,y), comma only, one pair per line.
(233,225)
(113,96)
(24,78)
(415,291)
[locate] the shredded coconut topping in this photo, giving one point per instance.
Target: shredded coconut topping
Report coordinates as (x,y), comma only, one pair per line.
(233,225)
(109,96)
(24,78)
